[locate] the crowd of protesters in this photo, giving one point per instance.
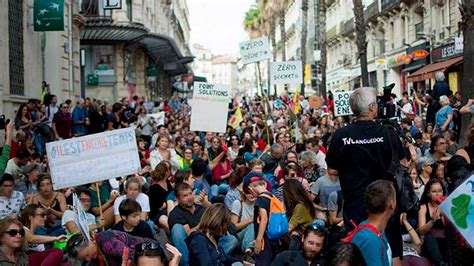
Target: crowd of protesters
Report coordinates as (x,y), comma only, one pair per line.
(204,198)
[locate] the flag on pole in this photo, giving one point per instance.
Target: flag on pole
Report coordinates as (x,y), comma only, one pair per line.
(295,103)
(235,120)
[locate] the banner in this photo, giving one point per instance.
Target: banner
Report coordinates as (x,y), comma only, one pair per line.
(459,209)
(93,158)
(341,103)
(48,15)
(255,50)
(210,107)
(289,72)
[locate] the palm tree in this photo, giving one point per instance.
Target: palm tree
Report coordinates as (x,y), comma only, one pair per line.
(467,27)
(282,5)
(269,10)
(253,22)
(304,35)
(361,40)
(322,45)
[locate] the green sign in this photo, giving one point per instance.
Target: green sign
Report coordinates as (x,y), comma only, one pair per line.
(48,15)
(92,79)
(151,71)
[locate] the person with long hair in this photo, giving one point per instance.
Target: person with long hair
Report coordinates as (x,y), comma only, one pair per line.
(53,202)
(33,217)
(158,193)
(186,160)
(242,218)
(203,244)
(12,242)
(299,209)
(250,149)
(468,151)
(23,120)
(438,148)
(235,186)
(431,223)
(234,147)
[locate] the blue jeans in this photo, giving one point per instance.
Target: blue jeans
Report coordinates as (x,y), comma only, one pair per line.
(219,189)
(178,235)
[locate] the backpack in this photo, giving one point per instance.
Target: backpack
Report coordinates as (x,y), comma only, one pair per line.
(277,222)
(358,228)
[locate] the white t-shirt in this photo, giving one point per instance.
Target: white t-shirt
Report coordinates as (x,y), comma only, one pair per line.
(69,216)
(14,170)
(407,109)
(34,247)
(321,160)
(142,199)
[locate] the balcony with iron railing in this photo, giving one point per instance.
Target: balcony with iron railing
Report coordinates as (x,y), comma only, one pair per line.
(387,5)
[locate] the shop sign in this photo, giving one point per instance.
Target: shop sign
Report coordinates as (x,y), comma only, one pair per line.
(459,43)
(398,60)
(445,52)
(48,15)
(419,54)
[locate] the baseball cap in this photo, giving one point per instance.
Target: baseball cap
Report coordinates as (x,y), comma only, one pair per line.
(252,177)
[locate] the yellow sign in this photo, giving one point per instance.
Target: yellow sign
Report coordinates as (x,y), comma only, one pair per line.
(307,74)
(453,81)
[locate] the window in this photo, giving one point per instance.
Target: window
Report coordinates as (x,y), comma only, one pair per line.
(103,60)
(15,45)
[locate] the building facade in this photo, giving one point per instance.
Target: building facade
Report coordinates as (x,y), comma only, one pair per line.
(140,49)
(29,57)
(402,36)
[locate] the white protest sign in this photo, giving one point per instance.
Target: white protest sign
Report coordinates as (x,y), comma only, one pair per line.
(289,72)
(255,50)
(80,217)
(93,158)
(341,103)
(158,117)
(459,209)
(210,107)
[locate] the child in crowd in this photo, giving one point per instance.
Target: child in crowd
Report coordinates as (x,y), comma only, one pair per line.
(130,214)
(265,249)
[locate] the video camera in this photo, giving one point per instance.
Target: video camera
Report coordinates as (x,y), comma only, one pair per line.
(386,109)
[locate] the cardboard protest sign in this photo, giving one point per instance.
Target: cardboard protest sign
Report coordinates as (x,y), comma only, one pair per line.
(288,72)
(314,102)
(93,158)
(341,103)
(255,50)
(459,209)
(80,217)
(210,107)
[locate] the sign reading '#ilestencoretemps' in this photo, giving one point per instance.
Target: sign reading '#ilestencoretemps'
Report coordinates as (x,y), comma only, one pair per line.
(289,72)
(255,50)
(93,158)
(210,107)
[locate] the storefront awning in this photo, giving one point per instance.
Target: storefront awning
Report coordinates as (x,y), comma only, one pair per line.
(428,71)
(163,50)
(105,31)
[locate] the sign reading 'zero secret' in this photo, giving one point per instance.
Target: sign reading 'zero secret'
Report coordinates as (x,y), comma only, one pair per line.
(255,50)
(289,72)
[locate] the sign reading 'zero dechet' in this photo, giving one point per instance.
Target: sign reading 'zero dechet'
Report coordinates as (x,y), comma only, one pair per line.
(93,158)
(288,72)
(255,50)
(341,103)
(210,107)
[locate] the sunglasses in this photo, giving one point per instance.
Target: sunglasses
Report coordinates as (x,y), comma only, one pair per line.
(153,245)
(15,232)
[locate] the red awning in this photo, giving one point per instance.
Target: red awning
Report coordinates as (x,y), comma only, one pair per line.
(428,71)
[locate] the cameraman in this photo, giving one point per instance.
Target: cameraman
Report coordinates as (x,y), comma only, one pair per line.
(6,148)
(361,153)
